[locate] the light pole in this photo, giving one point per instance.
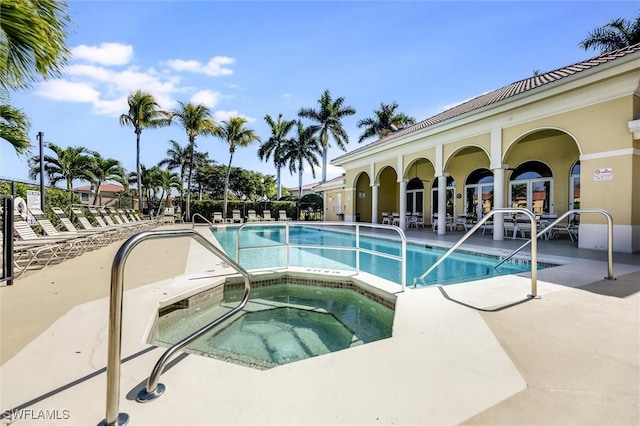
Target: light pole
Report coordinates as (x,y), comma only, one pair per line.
(40,136)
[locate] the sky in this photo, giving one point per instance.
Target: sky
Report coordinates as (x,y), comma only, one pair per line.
(252,58)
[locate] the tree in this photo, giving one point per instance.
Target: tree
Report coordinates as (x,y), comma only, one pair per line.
(33,41)
(14,128)
(32,44)
(617,34)
(68,164)
(329,123)
(144,113)
(167,181)
(178,158)
(103,170)
(276,144)
(196,121)
(235,135)
(385,121)
(305,148)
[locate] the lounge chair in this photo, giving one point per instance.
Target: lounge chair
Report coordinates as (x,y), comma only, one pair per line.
(92,240)
(217,217)
(251,216)
(236,218)
(282,216)
(266,215)
(55,248)
(169,215)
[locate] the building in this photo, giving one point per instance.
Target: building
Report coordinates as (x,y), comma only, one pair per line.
(110,194)
(554,142)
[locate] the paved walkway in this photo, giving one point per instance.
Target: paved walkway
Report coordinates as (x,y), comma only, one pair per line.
(475,353)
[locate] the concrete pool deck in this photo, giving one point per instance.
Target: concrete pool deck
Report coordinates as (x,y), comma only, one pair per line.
(474,353)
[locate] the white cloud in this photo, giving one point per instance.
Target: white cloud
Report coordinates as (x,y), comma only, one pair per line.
(215,66)
(104,54)
(287,95)
(63,90)
(222,115)
(207,97)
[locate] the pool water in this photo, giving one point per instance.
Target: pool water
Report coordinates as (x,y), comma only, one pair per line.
(280,324)
(267,252)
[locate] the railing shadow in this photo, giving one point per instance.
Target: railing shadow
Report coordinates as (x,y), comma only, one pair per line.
(7,412)
(475,308)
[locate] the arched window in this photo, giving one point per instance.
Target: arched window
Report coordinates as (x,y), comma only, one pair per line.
(478,193)
(531,187)
(451,196)
(415,196)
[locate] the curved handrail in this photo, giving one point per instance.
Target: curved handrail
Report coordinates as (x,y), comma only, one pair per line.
(534,246)
(198,214)
(403,242)
(579,211)
(115,317)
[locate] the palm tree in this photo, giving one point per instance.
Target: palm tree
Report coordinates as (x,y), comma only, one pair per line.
(305,148)
(196,120)
(143,113)
(617,34)
(167,181)
(386,121)
(33,42)
(68,164)
(275,145)
(329,122)
(14,128)
(235,135)
(177,158)
(103,170)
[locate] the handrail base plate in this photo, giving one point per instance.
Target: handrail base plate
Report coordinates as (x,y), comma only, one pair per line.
(123,419)
(145,396)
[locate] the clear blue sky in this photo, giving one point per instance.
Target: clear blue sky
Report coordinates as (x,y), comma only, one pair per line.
(252,58)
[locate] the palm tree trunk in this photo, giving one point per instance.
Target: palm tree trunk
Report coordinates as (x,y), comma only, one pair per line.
(226,186)
(300,170)
(140,203)
(279,185)
(324,163)
(187,207)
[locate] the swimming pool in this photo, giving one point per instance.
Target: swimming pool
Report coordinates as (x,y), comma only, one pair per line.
(287,319)
(267,251)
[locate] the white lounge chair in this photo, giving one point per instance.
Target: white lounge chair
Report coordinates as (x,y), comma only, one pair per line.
(282,215)
(266,215)
(252,216)
(217,217)
(235,216)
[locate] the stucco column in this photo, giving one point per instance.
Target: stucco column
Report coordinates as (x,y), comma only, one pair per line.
(325,206)
(403,204)
(442,204)
(374,203)
(498,202)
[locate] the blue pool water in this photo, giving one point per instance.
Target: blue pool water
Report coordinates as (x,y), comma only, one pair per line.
(267,252)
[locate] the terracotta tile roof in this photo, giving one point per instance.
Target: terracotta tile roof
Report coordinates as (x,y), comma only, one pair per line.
(506,92)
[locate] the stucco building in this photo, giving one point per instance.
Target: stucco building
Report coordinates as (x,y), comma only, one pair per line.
(561,140)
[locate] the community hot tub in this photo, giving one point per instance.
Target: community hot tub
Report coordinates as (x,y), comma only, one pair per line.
(288,318)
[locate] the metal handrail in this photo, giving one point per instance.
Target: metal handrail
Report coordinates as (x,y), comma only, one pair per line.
(194,222)
(113,417)
(403,239)
(534,246)
(559,219)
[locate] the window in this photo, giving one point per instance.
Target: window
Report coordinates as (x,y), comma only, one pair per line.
(531,187)
(479,193)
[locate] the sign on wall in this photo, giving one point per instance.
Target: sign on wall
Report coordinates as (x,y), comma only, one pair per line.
(603,174)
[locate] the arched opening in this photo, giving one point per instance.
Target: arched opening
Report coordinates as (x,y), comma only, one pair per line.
(531,187)
(363,199)
(478,193)
(388,194)
(450,200)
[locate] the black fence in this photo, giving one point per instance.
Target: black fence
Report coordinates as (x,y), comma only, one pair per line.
(7,239)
